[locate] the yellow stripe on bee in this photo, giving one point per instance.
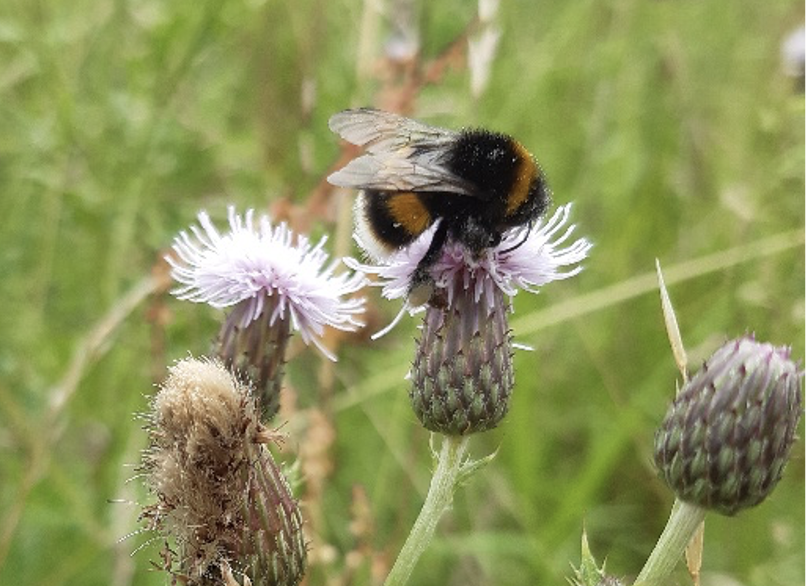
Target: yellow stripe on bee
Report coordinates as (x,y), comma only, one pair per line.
(524,175)
(408,210)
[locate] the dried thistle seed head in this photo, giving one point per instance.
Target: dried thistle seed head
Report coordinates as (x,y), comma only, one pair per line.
(219,495)
(201,424)
(201,403)
(726,438)
(462,376)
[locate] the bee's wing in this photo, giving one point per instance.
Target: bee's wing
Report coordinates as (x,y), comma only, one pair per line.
(402,154)
(379,131)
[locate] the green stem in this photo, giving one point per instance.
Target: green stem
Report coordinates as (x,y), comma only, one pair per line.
(683,522)
(440,496)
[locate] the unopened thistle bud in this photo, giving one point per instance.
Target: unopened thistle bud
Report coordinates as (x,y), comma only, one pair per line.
(220,497)
(275,282)
(726,438)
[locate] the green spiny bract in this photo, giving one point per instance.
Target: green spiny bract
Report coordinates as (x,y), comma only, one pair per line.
(589,573)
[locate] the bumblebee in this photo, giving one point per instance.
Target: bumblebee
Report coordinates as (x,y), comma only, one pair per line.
(475,183)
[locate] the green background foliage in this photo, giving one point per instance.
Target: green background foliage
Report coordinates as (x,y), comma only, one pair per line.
(669,124)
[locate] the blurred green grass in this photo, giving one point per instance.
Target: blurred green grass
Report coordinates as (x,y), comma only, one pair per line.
(668,123)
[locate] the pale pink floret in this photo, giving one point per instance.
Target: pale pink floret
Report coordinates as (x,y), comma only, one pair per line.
(526,258)
(257,265)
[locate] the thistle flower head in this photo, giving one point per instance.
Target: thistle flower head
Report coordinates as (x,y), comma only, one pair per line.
(726,438)
(527,257)
(219,495)
(276,283)
(462,375)
(257,265)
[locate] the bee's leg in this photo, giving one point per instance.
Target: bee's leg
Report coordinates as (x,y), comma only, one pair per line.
(421,285)
(526,234)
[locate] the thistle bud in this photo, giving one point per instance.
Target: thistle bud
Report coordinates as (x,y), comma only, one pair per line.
(726,438)
(462,375)
(220,497)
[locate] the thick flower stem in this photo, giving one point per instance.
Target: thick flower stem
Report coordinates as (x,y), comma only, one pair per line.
(450,470)
(683,522)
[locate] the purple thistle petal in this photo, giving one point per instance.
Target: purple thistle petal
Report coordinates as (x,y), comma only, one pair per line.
(526,258)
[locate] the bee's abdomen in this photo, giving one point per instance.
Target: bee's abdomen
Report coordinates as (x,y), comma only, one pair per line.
(394,218)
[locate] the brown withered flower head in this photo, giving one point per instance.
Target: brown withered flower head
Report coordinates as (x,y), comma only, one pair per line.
(221,502)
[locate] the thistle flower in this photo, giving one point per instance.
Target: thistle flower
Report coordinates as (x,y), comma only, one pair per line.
(726,438)
(219,494)
(275,282)
(462,375)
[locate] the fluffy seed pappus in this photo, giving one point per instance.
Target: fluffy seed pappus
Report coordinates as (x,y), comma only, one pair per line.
(473,183)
